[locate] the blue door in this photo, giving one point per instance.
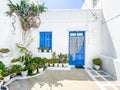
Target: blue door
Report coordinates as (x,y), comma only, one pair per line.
(76,48)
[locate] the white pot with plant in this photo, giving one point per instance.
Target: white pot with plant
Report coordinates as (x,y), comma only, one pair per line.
(4,52)
(39,49)
(97,63)
(45,49)
(24,72)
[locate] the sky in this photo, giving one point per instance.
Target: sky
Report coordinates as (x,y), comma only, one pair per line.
(62,4)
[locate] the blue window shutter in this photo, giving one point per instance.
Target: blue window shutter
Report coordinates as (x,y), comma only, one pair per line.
(46,39)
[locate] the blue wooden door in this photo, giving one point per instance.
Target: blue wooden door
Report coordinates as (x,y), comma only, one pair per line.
(76,48)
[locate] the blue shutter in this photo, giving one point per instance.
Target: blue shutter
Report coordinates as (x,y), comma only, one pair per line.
(46,39)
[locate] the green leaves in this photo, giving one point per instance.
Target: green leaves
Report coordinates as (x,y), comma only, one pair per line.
(27,10)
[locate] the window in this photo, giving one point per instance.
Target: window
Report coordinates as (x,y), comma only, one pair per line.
(95,2)
(46,40)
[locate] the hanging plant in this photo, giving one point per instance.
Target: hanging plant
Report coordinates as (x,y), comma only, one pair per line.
(28,13)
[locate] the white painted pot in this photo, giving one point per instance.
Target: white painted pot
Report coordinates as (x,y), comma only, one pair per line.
(97,67)
(56,64)
(51,65)
(7,78)
(65,64)
(24,73)
(45,51)
(35,71)
(1,83)
(4,54)
(60,64)
(40,70)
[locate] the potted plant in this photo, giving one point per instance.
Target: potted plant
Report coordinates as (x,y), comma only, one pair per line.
(51,62)
(60,59)
(40,63)
(50,49)
(24,71)
(97,63)
(39,49)
(16,69)
(4,52)
(45,49)
(33,67)
(65,60)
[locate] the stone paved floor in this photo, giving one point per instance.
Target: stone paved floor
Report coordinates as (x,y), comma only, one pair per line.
(74,79)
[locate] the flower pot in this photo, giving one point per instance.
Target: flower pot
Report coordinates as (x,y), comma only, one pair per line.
(35,71)
(4,54)
(51,65)
(6,78)
(97,67)
(45,51)
(60,64)
(24,73)
(56,64)
(65,65)
(40,70)
(39,51)
(1,83)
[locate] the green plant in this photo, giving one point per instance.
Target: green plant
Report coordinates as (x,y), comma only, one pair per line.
(54,55)
(1,76)
(32,66)
(28,13)
(6,72)
(51,61)
(45,48)
(27,56)
(16,69)
(39,48)
(2,66)
(65,58)
(97,61)
(14,60)
(39,61)
(60,58)
(4,50)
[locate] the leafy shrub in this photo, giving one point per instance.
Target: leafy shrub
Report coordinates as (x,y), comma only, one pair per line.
(97,61)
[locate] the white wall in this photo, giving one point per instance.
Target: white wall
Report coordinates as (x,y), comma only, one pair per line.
(60,22)
(110,34)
